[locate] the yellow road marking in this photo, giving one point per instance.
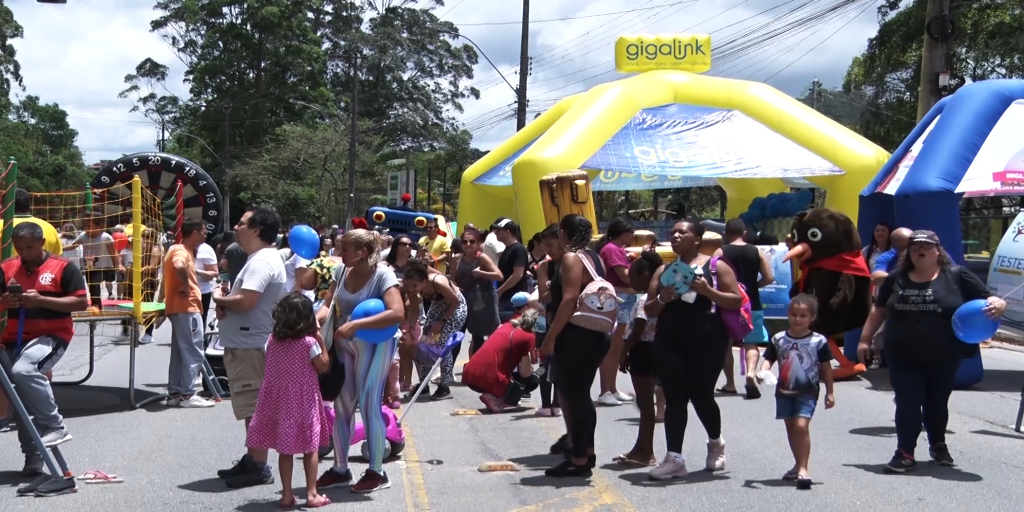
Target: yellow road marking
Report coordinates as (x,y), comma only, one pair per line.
(580,497)
(602,493)
(412,476)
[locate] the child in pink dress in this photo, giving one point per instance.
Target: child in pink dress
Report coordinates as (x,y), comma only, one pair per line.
(289,415)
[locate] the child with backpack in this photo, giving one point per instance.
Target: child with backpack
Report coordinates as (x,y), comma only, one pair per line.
(805,361)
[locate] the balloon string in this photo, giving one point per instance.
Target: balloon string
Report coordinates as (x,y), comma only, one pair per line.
(1013,290)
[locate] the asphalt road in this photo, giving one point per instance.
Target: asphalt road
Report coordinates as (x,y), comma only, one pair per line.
(168,457)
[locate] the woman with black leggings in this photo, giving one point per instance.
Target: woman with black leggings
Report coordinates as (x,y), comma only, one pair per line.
(689,345)
(577,351)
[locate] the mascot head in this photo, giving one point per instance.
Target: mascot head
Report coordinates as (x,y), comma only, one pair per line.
(821,233)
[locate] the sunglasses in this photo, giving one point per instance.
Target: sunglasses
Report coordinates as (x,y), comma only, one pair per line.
(470,241)
(404,244)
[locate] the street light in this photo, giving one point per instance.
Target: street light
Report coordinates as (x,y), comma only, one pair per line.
(351,207)
(456,34)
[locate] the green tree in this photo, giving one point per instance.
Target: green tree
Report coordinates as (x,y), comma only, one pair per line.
(303,172)
(986,43)
(44,144)
(10,69)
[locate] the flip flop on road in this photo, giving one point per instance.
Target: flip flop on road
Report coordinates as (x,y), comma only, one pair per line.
(752,392)
(324,501)
(95,476)
(725,391)
(790,476)
(625,461)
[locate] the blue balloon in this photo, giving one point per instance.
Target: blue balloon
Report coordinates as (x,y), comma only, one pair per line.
(794,206)
(367,309)
(805,195)
(970,323)
(774,210)
(304,241)
(757,206)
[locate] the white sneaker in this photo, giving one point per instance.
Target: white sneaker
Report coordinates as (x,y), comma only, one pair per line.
(608,399)
(195,402)
(173,401)
(716,455)
(673,466)
(556,411)
(543,412)
(623,397)
(146,339)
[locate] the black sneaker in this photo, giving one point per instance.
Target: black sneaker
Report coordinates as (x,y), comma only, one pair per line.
(568,469)
(442,393)
(31,487)
(561,446)
(940,454)
(253,476)
(33,466)
(240,467)
(901,463)
(5,425)
(56,487)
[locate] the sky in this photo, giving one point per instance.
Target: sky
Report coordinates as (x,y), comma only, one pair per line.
(76,55)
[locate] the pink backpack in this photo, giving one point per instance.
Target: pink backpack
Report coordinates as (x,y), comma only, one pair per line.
(738,322)
(598,305)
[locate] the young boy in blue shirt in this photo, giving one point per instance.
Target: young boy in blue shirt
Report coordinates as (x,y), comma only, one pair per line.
(805,361)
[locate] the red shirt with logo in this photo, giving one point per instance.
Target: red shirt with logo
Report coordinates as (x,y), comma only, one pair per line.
(55,277)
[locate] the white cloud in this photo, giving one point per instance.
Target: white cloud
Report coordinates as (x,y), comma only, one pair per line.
(77,55)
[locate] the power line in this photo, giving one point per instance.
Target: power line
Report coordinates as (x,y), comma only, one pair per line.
(441,17)
(569,18)
(821,42)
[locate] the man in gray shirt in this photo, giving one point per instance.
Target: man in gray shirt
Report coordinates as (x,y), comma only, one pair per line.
(246,322)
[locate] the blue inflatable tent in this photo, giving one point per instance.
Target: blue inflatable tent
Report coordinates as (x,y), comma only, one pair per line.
(970,144)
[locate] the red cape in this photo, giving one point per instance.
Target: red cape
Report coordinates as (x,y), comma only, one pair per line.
(847,263)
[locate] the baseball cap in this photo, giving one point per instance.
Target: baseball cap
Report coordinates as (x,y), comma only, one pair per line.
(923,235)
(500,222)
(520,299)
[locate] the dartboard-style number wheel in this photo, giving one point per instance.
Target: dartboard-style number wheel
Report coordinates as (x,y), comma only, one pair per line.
(158,173)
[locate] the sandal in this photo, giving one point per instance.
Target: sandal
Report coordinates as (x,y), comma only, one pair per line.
(625,461)
(803,482)
(324,501)
(725,391)
(292,503)
(98,477)
(790,476)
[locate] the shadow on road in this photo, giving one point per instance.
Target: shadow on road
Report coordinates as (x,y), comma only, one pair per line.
(84,400)
(1009,435)
(881,431)
(555,483)
(1000,381)
(206,485)
(13,479)
(335,495)
(774,482)
(539,461)
(925,470)
(642,478)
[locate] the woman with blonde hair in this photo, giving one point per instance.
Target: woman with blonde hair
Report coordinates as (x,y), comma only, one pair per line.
(360,277)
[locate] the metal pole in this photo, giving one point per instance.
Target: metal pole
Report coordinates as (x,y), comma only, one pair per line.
(429,183)
(524,68)
(352,144)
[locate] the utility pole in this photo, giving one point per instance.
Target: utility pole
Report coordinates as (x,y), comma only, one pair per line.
(351,212)
(227,167)
(934,72)
(163,135)
(524,68)
(815,87)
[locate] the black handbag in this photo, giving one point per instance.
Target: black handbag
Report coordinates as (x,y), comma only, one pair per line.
(333,379)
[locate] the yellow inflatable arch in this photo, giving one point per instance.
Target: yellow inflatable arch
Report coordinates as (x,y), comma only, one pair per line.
(578,126)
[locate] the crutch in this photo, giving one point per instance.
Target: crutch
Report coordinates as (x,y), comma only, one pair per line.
(62,481)
(453,341)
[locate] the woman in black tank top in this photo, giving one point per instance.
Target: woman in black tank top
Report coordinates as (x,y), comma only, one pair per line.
(746,261)
(577,351)
(689,346)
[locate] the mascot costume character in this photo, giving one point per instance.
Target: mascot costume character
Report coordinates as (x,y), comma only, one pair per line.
(827,250)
